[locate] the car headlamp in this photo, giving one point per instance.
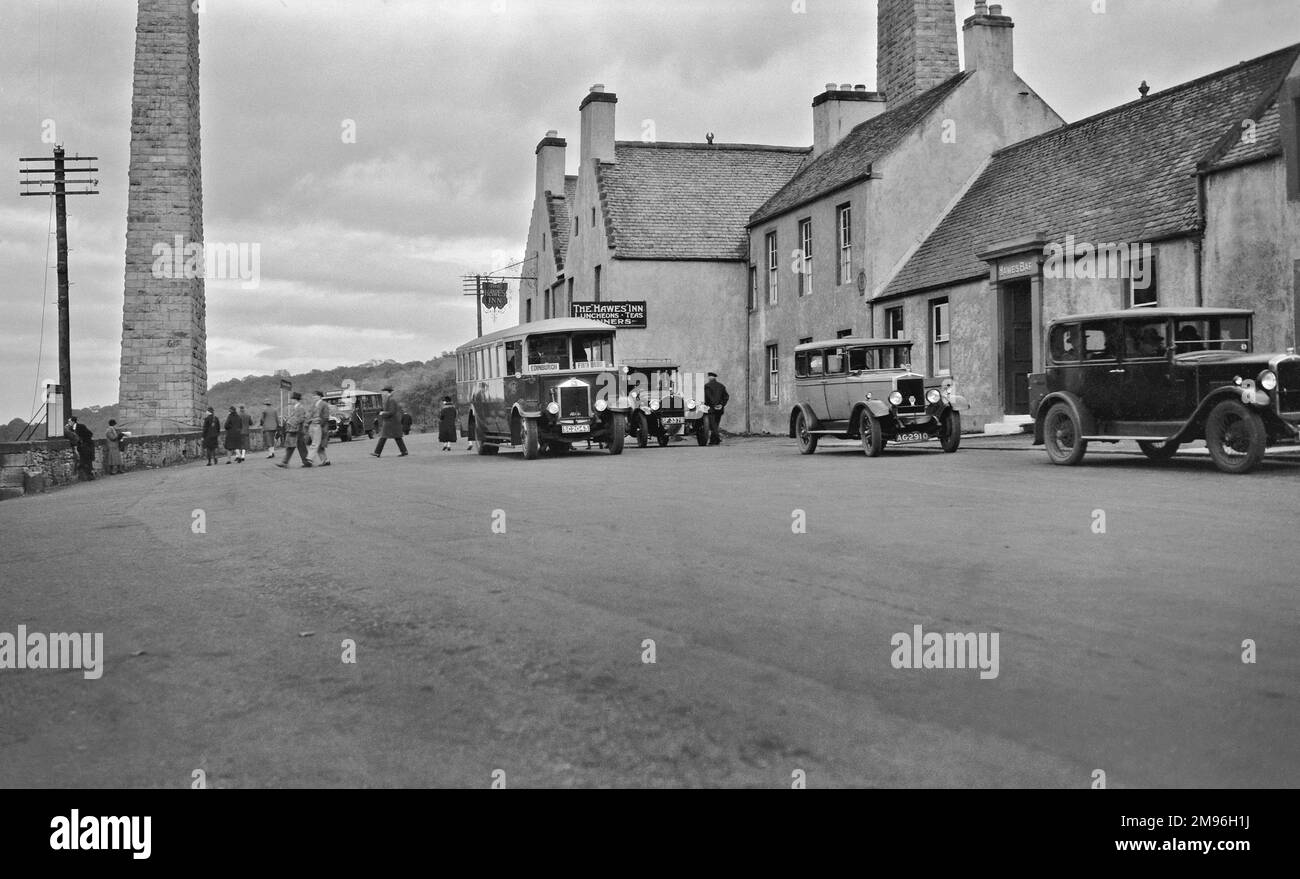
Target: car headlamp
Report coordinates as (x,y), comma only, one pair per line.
(654,404)
(553,408)
(895,398)
(690,403)
(932,396)
(1268,380)
(601,405)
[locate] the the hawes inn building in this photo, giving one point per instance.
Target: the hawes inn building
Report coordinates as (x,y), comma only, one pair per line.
(952,207)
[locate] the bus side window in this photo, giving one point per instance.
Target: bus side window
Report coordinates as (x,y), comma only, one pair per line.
(512,357)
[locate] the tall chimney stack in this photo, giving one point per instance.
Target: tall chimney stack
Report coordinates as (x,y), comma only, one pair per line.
(986,37)
(597,133)
(550,164)
(916,47)
(839,110)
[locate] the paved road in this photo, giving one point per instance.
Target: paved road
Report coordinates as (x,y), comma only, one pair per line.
(522,651)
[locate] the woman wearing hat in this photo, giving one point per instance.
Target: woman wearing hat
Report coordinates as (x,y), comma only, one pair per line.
(211,433)
(447,424)
(234,436)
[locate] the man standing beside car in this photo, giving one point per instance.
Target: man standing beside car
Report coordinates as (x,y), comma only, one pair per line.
(715,399)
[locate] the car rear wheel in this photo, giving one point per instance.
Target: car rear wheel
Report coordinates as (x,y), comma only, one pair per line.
(663,439)
(529,438)
(872,434)
(1159,451)
(1061,436)
(702,431)
(480,447)
(950,431)
(1236,437)
(807,441)
(618,429)
(642,429)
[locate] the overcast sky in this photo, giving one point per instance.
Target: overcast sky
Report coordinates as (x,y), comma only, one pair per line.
(363,244)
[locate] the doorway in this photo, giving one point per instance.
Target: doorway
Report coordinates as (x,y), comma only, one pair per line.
(1017,345)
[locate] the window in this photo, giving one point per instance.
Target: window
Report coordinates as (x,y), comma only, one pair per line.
(568,303)
(1212,334)
(800,364)
(894,322)
(596,288)
(593,217)
(844,334)
(543,242)
(1063,341)
(544,350)
(575,227)
(753,287)
(835,361)
(805,340)
(805,257)
(514,362)
(1145,340)
(528,311)
(593,348)
(861,358)
(1140,285)
(940,360)
(844,272)
(773,268)
(773,374)
(546,304)
(1098,341)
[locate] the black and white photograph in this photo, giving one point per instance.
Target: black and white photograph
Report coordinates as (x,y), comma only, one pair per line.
(799,394)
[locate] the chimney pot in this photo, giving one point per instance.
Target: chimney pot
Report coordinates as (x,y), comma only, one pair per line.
(598,87)
(995,9)
(859,88)
(981,7)
(988,40)
(846,86)
(552,133)
(830,86)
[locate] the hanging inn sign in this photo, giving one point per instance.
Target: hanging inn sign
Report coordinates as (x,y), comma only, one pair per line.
(624,315)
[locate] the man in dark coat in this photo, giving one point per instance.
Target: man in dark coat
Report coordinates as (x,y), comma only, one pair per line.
(715,398)
(234,435)
(211,433)
(406,423)
(447,424)
(83,440)
(390,424)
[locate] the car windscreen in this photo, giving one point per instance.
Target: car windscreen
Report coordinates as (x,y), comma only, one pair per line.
(894,357)
(1212,334)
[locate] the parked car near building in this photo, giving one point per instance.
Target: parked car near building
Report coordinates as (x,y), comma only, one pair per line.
(865,389)
(353,412)
(659,408)
(541,387)
(1162,377)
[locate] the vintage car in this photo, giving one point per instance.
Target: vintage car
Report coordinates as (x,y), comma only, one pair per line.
(865,389)
(352,412)
(1162,377)
(659,409)
(541,387)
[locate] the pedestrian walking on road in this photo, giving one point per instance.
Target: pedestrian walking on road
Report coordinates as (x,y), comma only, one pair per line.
(295,432)
(211,433)
(447,424)
(715,400)
(390,424)
(234,436)
(406,423)
(113,448)
(270,426)
(320,432)
(83,440)
(248,432)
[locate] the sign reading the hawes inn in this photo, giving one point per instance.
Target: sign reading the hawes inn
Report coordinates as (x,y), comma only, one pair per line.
(625,315)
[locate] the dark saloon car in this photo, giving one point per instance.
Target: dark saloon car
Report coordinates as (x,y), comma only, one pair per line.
(659,411)
(1163,377)
(865,389)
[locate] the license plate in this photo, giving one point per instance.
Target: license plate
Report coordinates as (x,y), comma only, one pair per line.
(911,438)
(671,422)
(573,428)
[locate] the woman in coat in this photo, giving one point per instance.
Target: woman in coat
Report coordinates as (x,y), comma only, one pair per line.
(112,451)
(211,433)
(234,435)
(447,424)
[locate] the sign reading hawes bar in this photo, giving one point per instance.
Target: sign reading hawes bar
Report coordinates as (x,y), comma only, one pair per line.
(625,315)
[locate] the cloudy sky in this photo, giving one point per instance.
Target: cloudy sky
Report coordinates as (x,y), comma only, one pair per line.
(363,244)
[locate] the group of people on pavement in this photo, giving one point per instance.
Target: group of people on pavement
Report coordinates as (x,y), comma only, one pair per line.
(306,430)
(238,427)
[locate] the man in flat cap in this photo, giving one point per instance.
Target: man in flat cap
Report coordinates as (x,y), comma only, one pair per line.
(390,424)
(715,400)
(270,427)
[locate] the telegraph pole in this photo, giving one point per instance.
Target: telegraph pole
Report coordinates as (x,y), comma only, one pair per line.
(49,177)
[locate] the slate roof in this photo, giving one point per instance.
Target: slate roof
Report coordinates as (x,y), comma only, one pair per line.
(1124,175)
(849,159)
(689,200)
(557,214)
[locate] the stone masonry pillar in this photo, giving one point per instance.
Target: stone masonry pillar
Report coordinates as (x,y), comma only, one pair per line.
(916,47)
(164,374)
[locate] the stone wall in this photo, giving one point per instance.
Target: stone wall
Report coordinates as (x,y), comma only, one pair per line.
(164,373)
(33,467)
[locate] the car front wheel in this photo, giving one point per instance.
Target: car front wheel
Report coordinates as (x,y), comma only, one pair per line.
(873,435)
(1236,437)
(530,439)
(807,441)
(1159,451)
(617,430)
(950,431)
(702,431)
(642,430)
(1062,436)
